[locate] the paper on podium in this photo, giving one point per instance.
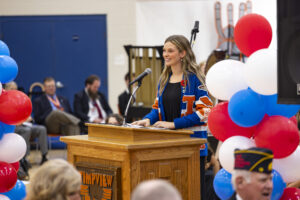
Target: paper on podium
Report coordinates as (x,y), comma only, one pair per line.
(148,127)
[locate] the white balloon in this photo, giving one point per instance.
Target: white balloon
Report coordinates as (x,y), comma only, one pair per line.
(261,71)
(288,166)
(3,197)
(226,152)
(12,148)
(0,88)
(225,78)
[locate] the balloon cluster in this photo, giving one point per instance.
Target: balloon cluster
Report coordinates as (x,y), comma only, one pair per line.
(15,108)
(249,115)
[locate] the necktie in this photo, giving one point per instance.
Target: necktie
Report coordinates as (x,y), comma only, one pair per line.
(98,109)
(55,102)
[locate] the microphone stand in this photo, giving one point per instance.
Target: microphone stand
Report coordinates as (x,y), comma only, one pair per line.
(128,104)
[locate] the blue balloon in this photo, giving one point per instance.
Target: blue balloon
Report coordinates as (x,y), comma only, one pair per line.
(18,192)
(7,128)
(222,184)
(8,69)
(246,108)
(1,132)
(278,185)
(272,108)
(4,50)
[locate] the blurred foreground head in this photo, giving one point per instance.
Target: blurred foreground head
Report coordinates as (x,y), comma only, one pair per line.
(155,190)
(55,180)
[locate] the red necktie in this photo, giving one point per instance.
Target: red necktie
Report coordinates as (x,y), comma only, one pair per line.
(98,109)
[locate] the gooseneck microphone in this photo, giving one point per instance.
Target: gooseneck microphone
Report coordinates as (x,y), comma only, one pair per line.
(141,76)
(194,31)
(139,80)
(196,27)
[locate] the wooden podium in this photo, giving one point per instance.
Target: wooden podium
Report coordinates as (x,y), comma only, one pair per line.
(113,160)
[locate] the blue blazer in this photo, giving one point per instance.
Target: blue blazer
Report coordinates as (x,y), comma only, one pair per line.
(195,107)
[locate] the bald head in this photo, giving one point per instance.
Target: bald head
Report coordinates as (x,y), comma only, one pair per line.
(155,189)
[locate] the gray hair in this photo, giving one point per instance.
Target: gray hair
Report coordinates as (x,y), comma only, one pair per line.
(155,189)
(54,180)
(243,173)
(11,85)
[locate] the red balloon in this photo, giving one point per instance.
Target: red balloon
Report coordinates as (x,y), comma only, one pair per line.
(222,127)
(277,133)
(290,194)
(15,107)
(294,119)
(251,33)
(16,165)
(8,177)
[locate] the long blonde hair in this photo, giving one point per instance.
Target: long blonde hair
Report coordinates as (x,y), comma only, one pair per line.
(54,180)
(188,62)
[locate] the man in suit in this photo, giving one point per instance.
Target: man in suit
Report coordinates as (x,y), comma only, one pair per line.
(54,111)
(89,104)
(252,175)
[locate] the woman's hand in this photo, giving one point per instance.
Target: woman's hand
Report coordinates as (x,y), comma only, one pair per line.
(163,124)
(144,122)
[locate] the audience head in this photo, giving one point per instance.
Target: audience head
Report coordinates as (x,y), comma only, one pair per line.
(252,175)
(11,86)
(114,119)
(155,189)
(92,84)
(55,180)
(49,85)
(127,78)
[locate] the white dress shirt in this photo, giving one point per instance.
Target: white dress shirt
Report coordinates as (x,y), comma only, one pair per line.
(93,113)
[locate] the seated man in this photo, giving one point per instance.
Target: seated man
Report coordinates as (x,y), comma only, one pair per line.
(28,130)
(89,104)
(55,112)
(252,175)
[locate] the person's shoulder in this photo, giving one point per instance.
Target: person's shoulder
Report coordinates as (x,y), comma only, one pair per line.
(193,78)
(123,94)
(192,75)
(80,94)
(101,94)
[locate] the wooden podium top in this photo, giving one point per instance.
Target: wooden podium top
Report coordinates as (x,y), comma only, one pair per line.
(134,134)
(120,137)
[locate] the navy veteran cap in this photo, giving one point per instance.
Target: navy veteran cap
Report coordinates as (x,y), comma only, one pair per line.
(254,160)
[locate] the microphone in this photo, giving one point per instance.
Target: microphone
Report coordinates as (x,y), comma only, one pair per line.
(196,27)
(195,30)
(141,76)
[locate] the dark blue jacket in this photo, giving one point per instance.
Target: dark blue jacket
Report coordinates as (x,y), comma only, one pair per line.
(42,107)
(195,107)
